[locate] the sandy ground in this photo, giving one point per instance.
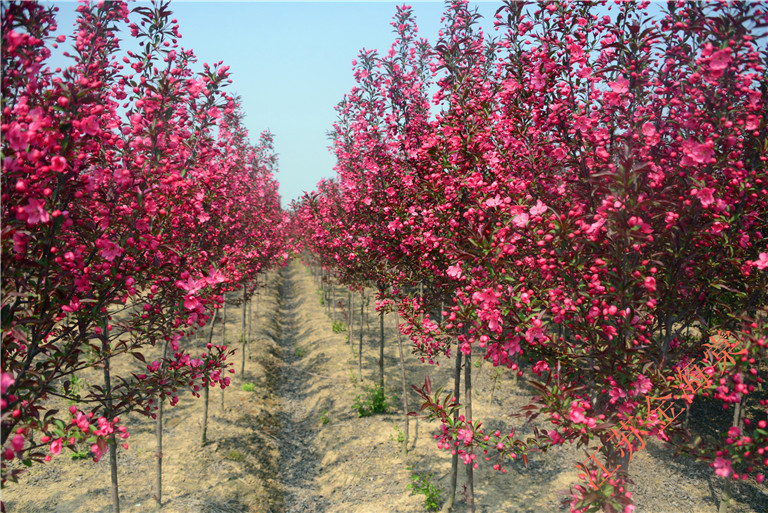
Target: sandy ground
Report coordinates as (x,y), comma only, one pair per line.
(296,445)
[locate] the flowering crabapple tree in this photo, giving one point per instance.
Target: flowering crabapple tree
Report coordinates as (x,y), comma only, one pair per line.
(594,188)
(117,188)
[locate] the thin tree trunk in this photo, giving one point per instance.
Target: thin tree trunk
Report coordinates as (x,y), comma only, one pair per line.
(381,349)
(223,343)
(725,495)
(159,462)
(159,441)
(468,417)
(207,385)
(455,453)
(360,348)
(349,319)
(250,315)
(405,389)
(109,413)
(242,367)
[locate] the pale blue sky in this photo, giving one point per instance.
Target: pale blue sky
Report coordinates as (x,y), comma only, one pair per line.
(291,64)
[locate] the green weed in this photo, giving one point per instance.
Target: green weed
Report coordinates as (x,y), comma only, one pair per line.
(339,327)
(398,436)
(235,455)
(422,484)
(249,387)
(372,401)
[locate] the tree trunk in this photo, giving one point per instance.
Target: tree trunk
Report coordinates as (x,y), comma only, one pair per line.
(725,495)
(109,413)
(250,315)
(360,348)
(405,389)
(468,417)
(159,442)
(349,319)
(455,453)
(207,385)
(223,343)
(242,367)
(381,349)
(159,463)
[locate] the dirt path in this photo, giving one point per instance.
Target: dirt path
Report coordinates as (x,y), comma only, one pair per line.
(298,458)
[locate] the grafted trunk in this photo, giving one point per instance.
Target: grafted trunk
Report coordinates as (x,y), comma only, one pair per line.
(725,496)
(360,347)
(405,389)
(468,417)
(207,386)
(242,367)
(109,413)
(381,349)
(159,442)
(223,343)
(349,319)
(455,454)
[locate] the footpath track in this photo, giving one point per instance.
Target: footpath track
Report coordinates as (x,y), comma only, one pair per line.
(298,457)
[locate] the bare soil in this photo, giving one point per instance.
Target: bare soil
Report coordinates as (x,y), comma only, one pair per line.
(296,445)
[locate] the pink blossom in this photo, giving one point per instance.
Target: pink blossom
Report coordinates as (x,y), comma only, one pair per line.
(454,271)
(650,283)
(722,467)
(642,385)
(56,446)
(59,164)
(651,136)
(110,250)
(537,209)
(191,302)
(17,139)
(215,277)
(19,243)
(620,86)
(540,367)
(6,380)
(762,262)
(191,285)
(520,220)
(494,202)
(706,196)
(90,125)
(577,414)
(696,152)
(18,443)
(720,60)
(82,422)
(616,394)
(36,212)
(465,435)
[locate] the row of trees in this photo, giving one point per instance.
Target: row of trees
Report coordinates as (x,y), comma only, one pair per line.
(586,190)
(132,200)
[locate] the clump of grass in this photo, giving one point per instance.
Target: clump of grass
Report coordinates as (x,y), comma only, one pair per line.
(249,387)
(372,401)
(300,352)
(398,436)
(235,455)
(324,418)
(422,484)
(339,327)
